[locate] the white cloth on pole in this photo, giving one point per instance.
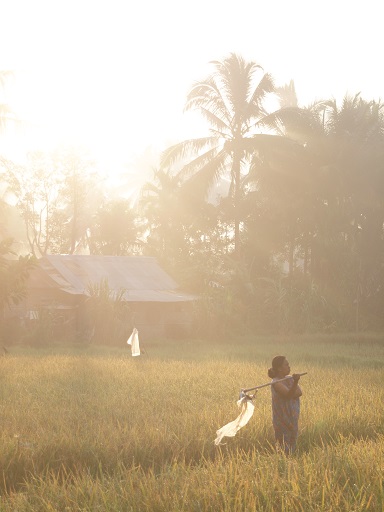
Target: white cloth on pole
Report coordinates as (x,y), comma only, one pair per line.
(133,340)
(230,429)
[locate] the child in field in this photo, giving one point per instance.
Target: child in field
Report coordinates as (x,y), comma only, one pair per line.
(285,404)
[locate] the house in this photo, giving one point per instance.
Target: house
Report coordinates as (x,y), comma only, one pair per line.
(63,284)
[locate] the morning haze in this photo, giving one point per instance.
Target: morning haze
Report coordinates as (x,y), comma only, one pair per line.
(191,206)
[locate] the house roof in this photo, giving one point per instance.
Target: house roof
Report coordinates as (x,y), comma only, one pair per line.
(140,278)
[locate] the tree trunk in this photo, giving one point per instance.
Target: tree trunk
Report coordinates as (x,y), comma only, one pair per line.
(237,198)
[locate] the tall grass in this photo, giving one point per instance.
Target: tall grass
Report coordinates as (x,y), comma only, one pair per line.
(87,429)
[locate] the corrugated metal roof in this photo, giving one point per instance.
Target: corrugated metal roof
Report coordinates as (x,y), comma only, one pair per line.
(141,277)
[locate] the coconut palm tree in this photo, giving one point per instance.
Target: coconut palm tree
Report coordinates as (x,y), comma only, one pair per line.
(233,102)
(354,188)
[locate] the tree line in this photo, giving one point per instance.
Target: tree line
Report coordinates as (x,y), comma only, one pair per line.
(274,217)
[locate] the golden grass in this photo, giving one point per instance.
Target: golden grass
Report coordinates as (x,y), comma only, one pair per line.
(88,429)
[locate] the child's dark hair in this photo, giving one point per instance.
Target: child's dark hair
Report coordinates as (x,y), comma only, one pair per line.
(277,361)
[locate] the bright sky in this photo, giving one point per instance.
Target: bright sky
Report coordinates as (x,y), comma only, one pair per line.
(113,75)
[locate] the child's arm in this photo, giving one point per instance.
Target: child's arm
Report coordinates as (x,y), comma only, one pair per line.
(293,392)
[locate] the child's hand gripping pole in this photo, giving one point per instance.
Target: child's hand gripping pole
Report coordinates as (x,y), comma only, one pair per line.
(244,392)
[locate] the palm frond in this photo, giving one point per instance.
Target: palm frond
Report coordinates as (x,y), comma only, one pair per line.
(216,122)
(272,122)
(268,144)
(297,123)
(199,163)
(264,87)
(287,95)
(222,76)
(209,174)
(234,74)
(208,95)
(149,187)
(238,78)
(185,149)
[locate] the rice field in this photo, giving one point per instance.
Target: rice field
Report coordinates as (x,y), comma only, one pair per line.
(93,429)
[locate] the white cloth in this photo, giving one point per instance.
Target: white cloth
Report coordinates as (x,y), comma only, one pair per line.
(230,429)
(133,340)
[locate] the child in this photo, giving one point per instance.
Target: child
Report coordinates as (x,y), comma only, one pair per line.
(285,404)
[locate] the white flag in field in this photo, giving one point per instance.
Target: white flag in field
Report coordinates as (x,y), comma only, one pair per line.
(133,340)
(230,429)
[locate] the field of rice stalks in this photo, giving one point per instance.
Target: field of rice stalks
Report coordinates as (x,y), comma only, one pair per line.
(93,429)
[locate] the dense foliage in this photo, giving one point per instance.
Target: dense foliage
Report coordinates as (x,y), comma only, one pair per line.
(14,272)
(274,216)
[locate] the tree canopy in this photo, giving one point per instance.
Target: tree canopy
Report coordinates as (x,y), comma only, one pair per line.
(274,216)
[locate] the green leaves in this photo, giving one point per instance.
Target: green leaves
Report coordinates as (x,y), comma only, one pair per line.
(13,274)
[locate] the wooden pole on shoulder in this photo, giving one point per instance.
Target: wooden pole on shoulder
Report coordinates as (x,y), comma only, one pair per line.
(270,383)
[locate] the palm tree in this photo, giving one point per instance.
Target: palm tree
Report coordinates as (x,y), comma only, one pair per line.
(354,186)
(232,100)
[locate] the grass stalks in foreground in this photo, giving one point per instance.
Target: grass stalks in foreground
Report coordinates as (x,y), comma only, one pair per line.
(98,430)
